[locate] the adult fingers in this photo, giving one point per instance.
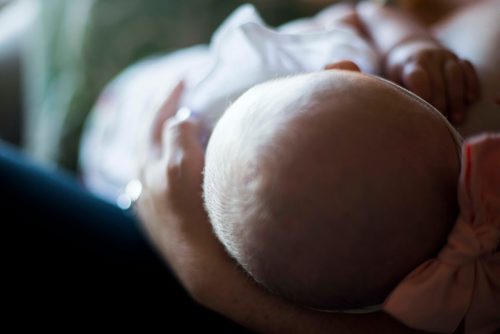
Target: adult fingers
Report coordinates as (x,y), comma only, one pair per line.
(455,90)
(471,81)
(182,131)
(416,79)
(182,148)
(167,110)
(151,173)
(173,180)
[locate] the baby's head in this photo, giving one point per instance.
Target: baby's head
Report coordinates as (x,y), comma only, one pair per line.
(328,188)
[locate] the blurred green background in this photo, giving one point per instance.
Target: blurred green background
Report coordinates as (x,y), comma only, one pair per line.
(67,51)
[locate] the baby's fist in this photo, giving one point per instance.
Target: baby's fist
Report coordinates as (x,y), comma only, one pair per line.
(435,74)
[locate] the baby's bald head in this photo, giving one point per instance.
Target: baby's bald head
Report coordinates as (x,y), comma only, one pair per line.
(328,188)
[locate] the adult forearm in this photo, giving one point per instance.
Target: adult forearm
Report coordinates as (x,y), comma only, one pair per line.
(215,281)
(226,289)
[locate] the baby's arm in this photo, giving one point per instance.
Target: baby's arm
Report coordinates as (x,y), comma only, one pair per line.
(414,59)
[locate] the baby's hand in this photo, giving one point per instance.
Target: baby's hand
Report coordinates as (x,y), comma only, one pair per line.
(435,74)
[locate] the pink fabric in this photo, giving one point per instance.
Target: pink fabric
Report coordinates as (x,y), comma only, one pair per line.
(463,282)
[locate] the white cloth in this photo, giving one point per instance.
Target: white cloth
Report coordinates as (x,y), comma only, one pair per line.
(243,52)
(246,52)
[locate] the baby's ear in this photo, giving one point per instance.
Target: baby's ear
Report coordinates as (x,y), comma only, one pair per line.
(345,65)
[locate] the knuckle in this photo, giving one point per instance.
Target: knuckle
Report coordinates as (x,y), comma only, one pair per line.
(180,126)
(177,166)
(467,67)
(458,71)
(447,54)
(173,168)
(430,53)
(452,65)
(415,75)
(421,57)
(185,125)
(173,171)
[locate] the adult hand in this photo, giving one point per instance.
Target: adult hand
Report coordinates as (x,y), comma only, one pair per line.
(170,206)
(171,210)
(435,74)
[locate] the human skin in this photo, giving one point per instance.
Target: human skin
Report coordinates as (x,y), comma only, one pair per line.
(325,145)
(411,55)
(414,59)
(471,30)
(174,217)
(481,48)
